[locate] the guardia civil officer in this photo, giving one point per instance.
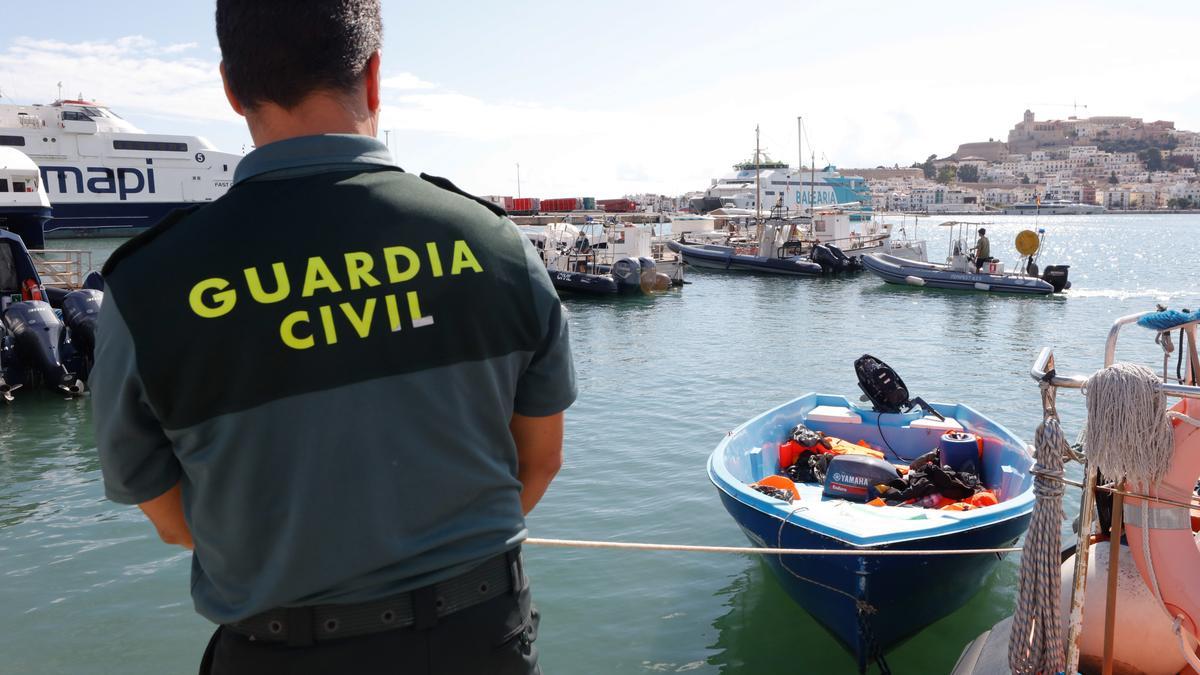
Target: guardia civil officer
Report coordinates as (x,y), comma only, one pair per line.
(340,384)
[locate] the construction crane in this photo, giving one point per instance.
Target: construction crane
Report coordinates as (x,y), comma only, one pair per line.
(1074,106)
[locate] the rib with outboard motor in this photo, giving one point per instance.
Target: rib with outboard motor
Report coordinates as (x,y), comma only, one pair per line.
(38,347)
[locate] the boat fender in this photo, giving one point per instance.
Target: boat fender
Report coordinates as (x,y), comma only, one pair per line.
(982,287)
(627,272)
(662,282)
(914,281)
(1168,528)
(649,274)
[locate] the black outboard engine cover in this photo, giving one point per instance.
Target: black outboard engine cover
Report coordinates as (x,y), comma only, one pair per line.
(37,333)
(627,272)
(825,258)
(882,385)
(81,311)
(94,281)
(884,388)
(1056,276)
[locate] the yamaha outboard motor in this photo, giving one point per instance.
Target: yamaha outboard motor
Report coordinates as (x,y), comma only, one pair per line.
(833,259)
(884,388)
(10,379)
(81,311)
(627,272)
(36,333)
(94,281)
(1056,276)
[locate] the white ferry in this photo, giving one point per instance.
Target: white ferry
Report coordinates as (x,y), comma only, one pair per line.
(24,207)
(1053,207)
(106,177)
(800,190)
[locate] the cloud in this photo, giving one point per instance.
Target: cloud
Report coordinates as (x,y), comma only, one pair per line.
(405,81)
(133,74)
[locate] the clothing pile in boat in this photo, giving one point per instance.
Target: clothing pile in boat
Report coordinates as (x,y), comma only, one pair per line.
(925,483)
(932,486)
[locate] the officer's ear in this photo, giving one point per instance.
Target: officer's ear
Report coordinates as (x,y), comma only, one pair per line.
(373,83)
(233,102)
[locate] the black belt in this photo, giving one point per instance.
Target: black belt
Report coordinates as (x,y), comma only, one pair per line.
(420,608)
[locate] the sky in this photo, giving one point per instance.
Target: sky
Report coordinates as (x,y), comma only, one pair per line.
(621,97)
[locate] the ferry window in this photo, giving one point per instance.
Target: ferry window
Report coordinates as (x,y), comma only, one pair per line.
(154,146)
(94,112)
(18,186)
(3,185)
(12,140)
(72,116)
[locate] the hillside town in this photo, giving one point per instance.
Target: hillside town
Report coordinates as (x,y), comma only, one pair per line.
(1098,163)
(1119,163)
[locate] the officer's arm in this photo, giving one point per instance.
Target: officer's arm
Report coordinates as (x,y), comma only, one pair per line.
(137,460)
(166,512)
(539,454)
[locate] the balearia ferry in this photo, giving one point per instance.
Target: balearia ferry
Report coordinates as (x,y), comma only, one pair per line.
(105,176)
(801,189)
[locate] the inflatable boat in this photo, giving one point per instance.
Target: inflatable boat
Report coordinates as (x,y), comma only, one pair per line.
(963,272)
(42,345)
(871,603)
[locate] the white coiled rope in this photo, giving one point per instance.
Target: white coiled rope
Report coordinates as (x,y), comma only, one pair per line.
(1036,645)
(1128,432)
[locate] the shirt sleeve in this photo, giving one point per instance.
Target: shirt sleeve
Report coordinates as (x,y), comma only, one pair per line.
(547,387)
(137,460)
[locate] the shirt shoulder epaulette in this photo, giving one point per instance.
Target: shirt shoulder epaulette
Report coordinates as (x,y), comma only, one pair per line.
(141,240)
(451,187)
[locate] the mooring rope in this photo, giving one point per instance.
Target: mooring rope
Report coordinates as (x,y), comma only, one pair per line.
(754,550)
(1035,645)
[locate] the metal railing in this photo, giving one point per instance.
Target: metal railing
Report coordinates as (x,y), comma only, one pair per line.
(61,268)
(1044,372)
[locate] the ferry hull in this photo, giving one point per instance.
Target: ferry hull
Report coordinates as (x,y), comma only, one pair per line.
(103,219)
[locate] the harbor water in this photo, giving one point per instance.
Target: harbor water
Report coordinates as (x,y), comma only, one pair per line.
(86,586)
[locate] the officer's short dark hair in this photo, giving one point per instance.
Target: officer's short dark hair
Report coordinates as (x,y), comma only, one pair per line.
(280,51)
(982,231)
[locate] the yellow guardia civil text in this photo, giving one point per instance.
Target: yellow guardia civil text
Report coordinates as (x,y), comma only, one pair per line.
(393,266)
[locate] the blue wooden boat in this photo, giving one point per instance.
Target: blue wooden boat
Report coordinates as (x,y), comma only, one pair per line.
(870,603)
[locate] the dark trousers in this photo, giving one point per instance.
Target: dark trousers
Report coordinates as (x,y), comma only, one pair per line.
(492,638)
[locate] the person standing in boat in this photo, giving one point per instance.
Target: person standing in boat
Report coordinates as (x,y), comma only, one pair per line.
(341,385)
(983,249)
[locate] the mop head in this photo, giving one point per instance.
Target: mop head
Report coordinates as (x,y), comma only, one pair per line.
(1128,432)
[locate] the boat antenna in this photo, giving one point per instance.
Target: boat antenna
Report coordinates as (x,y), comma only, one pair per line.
(757,177)
(812,183)
(60,98)
(518,180)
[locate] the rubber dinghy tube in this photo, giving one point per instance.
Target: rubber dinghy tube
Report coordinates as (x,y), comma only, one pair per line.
(914,281)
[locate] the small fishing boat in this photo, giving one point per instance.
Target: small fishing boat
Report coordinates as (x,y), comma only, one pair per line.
(961,271)
(872,602)
(42,345)
(575,266)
